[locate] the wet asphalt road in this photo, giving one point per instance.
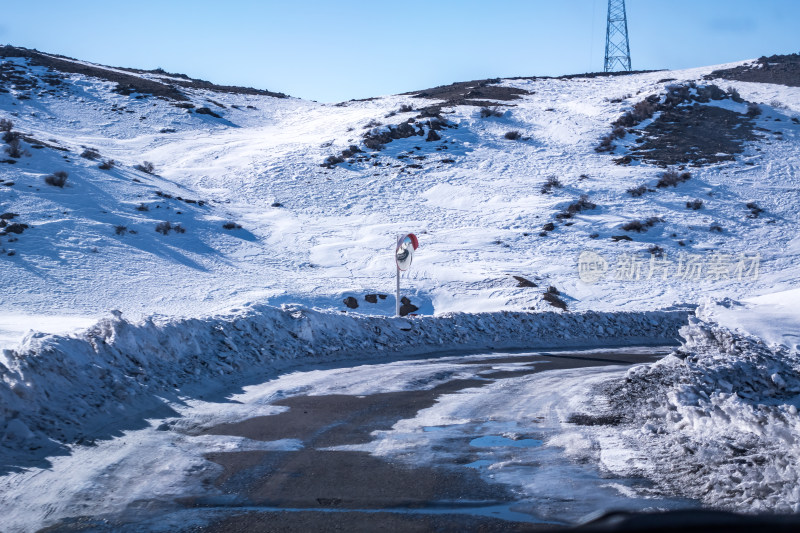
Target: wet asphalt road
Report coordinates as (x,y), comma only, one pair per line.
(325,484)
(317,489)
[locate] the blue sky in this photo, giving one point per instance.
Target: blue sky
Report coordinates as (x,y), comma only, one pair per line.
(336,50)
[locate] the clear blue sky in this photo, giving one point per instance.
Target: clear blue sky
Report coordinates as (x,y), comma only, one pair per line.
(336,50)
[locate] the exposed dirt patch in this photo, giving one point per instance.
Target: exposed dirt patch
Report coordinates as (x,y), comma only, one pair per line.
(553,297)
(126,83)
(524,282)
(482,92)
(378,137)
(477,92)
(36,143)
(406,307)
(206,111)
(15,227)
(686,128)
(777,69)
(207,85)
(604,74)
(697,135)
(14,77)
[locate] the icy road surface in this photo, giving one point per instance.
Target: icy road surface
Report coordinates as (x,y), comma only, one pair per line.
(451,441)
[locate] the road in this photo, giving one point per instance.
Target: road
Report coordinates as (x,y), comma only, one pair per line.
(493,441)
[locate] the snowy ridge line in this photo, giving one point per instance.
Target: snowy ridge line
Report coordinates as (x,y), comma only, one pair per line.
(61,387)
(717,420)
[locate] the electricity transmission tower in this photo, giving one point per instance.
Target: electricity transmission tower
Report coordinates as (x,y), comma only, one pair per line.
(618,52)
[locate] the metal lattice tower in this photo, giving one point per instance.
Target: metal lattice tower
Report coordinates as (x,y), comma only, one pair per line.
(618,52)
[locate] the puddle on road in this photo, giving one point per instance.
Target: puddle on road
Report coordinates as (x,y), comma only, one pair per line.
(480,463)
(496,441)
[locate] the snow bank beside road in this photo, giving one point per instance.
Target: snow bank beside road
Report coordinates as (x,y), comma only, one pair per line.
(66,387)
(774,318)
(717,420)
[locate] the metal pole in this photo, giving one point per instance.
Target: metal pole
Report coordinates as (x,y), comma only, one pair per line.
(397,291)
(397,295)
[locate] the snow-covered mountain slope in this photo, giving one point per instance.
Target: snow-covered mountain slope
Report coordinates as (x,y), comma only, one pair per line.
(477,197)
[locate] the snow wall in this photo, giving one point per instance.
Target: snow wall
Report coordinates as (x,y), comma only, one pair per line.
(57,389)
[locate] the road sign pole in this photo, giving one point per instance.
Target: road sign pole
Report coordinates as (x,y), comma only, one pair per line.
(397,295)
(397,290)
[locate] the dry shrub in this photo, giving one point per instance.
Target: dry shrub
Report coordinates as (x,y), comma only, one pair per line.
(56,179)
(146,166)
(638,191)
(14,149)
(753,109)
(166,226)
(487,112)
(91,154)
(551,183)
(606,144)
(694,204)
(671,178)
(641,227)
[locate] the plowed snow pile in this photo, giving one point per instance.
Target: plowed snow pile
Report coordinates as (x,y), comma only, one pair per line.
(71,388)
(717,420)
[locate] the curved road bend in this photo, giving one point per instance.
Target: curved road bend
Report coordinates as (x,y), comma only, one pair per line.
(352,469)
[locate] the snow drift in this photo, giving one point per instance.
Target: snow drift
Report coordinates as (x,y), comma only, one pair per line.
(64,388)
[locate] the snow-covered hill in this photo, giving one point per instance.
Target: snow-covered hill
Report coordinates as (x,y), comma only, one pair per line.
(477,197)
